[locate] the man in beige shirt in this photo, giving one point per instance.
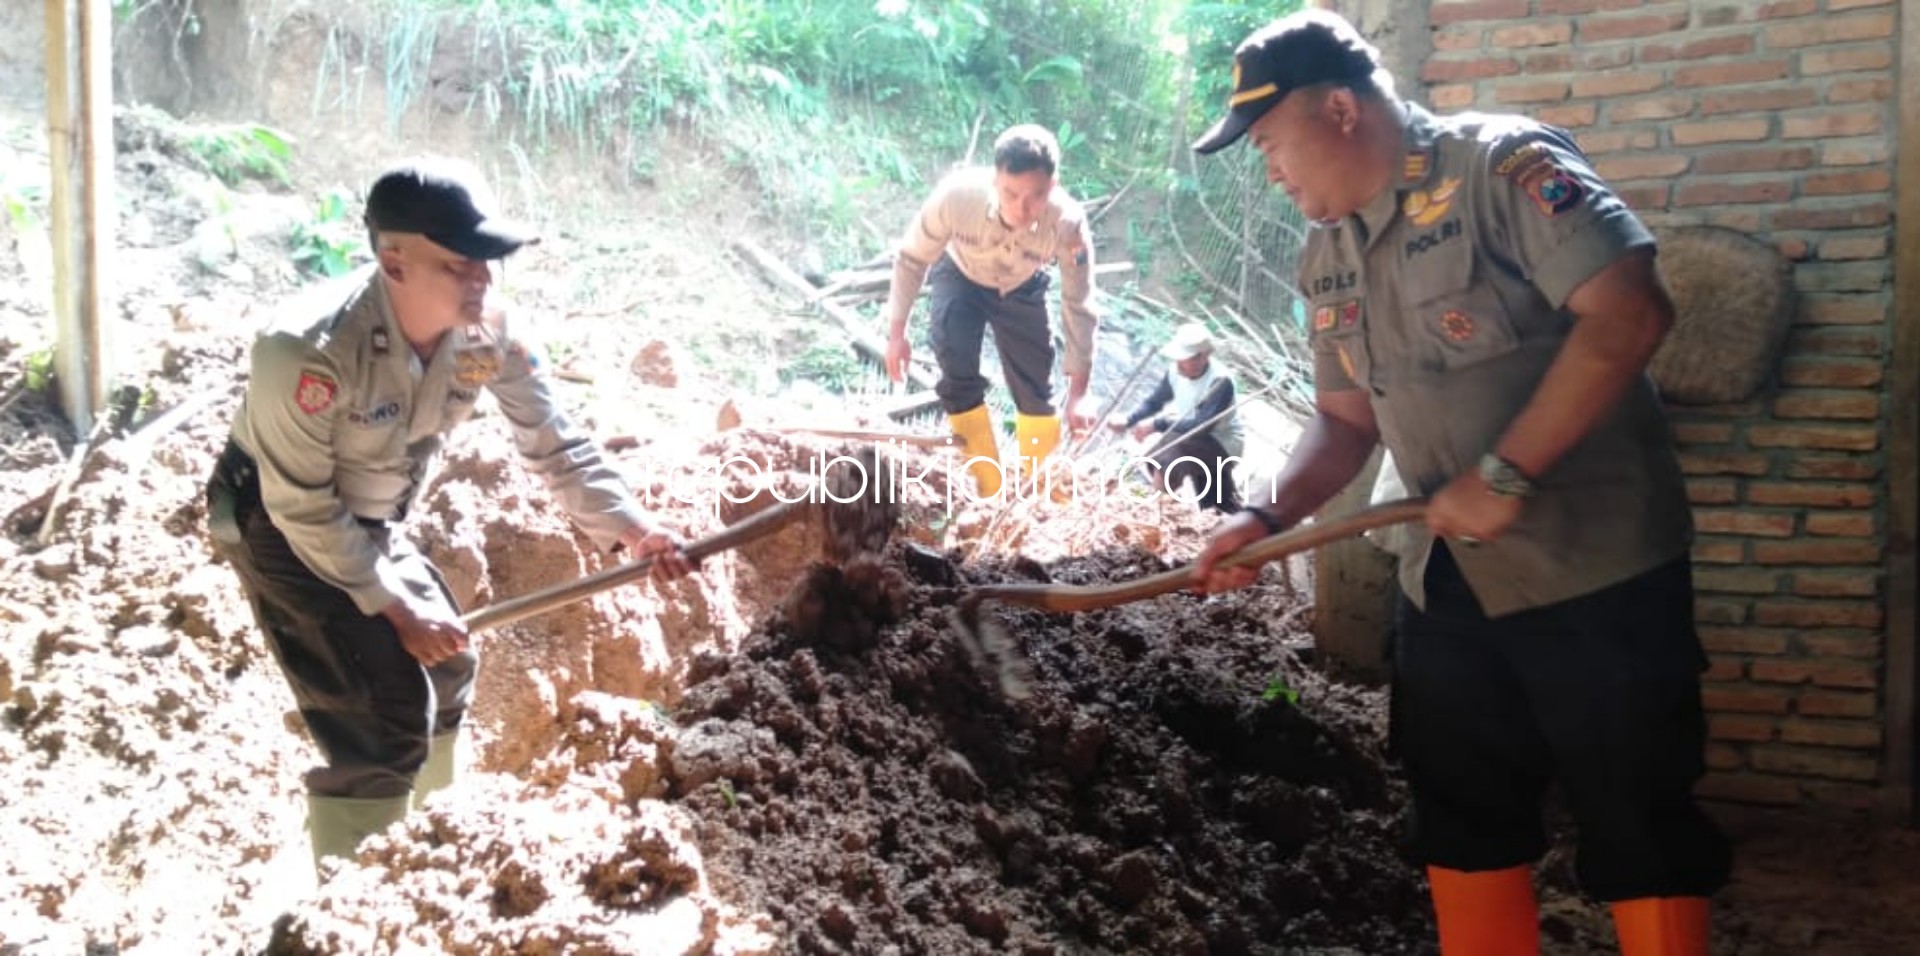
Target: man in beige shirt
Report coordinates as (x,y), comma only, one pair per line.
(345,408)
(983,241)
(1483,305)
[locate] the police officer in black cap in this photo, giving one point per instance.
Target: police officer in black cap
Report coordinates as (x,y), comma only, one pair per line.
(1483,305)
(345,406)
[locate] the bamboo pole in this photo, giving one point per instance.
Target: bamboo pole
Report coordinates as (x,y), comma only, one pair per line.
(80,134)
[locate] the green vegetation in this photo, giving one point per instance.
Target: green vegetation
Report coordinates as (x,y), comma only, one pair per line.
(331,243)
(242,151)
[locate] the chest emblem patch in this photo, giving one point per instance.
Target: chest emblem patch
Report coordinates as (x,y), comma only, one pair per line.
(314,392)
(1338,315)
(1426,206)
(475,367)
(1456,325)
(1324,318)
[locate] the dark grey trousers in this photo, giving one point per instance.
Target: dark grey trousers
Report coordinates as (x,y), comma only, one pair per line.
(369,705)
(962,310)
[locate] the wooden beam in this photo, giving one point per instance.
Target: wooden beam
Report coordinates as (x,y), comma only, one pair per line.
(1903,432)
(80,133)
(863,338)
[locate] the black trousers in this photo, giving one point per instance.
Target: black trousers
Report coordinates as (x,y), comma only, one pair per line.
(961,311)
(1200,462)
(368,704)
(1600,694)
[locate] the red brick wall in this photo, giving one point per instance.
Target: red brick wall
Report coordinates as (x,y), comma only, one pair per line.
(1775,118)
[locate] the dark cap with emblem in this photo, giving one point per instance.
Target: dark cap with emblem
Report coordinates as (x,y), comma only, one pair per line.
(1299,50)
(447,201)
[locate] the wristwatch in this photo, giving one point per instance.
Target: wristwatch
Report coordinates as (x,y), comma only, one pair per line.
(1504,478)
(1267,519)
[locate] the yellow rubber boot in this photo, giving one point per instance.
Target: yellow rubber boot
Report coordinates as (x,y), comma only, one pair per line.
(1037,436)
(1488,913)
(338,824)
(438,772)
(974,427)
(1662,926)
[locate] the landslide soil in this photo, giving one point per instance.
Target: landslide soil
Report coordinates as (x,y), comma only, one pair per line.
(784,754)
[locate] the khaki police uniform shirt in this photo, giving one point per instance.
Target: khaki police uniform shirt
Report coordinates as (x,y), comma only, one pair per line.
(1444,299)
(342,419)
(962,218)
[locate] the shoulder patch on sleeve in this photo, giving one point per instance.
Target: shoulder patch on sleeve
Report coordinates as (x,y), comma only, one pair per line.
(314,392)
(1552,189)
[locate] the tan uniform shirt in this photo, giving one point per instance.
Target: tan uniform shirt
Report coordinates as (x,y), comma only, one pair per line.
(962,218)
(1444,299)
(342,419)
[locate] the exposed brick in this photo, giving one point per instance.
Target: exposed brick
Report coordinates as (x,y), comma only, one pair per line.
(1723,757)
(1841,184)
(1650,108)
(1723,193)
(1644,197)
(1830,733)
(1574,60)
(1756,101)
(1621,83)
(1451,96)
(1876,90)
(1859,647)
(1856,406)
(1825,30)
(1697,463)
(1722,131)
(1842,525)
(1597,142)
(1724,669)
(1834,703)
(1789,494)
(1737,581)
(1828,125)
(1733,44)
(1837,467)
(1644,166)
(1858,675)
(1586,6)
(1568,115)
(1719,551)
(1784,613)
(1712,492)
(1702,433)
(1747,728)
(1735,73)
(1838,583)
(1440,70)
(1829,437)
(1869,275)
(1531,91)
(1800,761)
(1742,640)
(1755,160)
(1851,60)
(1601,29)
(1855,153)
(1751,788)
(1444,12)
(1830,373)
(1836,6)
(1458,37)
(1739,219)
(1745,699)
(1708,610)
(1794,248)
(1754,523)
(1836,341)
(1844,310)
(1783,9)
(1809,551)
(1533,33)
(1835,217)
(1854,247)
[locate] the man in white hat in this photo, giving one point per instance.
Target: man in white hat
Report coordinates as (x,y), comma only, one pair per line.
(1194,408)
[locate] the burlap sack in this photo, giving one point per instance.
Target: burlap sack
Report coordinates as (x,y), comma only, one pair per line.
(1733,302)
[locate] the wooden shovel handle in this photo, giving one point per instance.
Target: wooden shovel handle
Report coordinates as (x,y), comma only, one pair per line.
(1068,598)
(755,527)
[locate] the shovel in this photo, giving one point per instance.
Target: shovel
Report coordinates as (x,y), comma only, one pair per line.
(858,518)
(989,644)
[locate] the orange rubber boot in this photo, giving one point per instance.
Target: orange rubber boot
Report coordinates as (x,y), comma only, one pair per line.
(1662,926)
(1488,913)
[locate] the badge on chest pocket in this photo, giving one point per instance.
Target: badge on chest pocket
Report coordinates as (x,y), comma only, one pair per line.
(476,367)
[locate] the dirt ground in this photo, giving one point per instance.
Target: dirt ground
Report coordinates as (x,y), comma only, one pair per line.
(785,754)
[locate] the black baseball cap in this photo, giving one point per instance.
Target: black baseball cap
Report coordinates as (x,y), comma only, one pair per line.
(446,200)
(1297,50)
